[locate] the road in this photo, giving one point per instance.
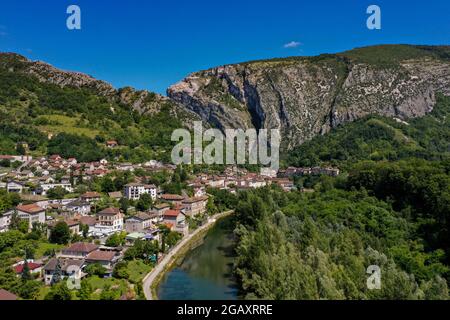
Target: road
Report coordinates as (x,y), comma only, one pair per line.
(160,267)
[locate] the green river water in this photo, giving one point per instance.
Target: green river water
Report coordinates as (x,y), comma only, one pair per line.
(206,271)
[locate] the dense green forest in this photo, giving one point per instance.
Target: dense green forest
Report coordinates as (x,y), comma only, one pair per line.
(319,245)
(390,208)
(79,121)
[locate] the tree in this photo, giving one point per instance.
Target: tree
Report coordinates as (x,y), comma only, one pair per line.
(172,238)
(15,221)
(95,269)
(85,230)
(120,270)
(107,185)
(57,273)
(85,291)
(60,233)
(165,231)
(124,204)
(29,252)
(145,202)
(59,292)
(26,275)
(57,193)
(116,239)
(38,230)
(23,226)
(5,163)
(30,289)
(109,294)
(211,207)
(20,149)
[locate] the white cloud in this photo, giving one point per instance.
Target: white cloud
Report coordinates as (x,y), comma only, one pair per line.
(292,44)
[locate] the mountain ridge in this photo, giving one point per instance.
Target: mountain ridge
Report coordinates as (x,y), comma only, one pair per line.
(302,96)
(306,96)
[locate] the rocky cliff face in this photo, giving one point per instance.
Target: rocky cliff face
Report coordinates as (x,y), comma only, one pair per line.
(304,97)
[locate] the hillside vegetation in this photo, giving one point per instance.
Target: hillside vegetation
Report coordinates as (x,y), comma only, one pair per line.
(76,121)
(380,138)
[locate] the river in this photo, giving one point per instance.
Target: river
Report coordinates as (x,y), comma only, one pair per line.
(206,271)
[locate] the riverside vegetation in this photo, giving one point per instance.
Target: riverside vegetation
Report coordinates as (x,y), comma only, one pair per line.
(391,208)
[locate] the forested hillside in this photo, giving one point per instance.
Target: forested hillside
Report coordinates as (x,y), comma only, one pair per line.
(319,245)
(77,121)
(390,207)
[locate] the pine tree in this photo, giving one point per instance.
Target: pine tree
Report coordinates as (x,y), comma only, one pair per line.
(57,275)
(26,275)
(15,221)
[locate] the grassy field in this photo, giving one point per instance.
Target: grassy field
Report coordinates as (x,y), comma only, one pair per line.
(44,246)
(118,285)
(61,123)
(137,270)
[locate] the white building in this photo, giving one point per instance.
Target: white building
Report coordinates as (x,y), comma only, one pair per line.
(133,191)
(47,186)
(79,206)
(5,221)
(109,221)
(31,212)
(14,186)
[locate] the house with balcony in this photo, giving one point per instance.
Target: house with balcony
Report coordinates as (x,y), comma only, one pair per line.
(139,222)
(194,206)
(133,191)
(109,221)
(65,268)
(78,206)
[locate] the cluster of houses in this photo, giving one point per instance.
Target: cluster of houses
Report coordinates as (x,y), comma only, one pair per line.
(71,261)
(40,175)
(170,210)
(33,178)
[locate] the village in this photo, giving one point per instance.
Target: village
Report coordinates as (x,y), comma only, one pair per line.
(110,210)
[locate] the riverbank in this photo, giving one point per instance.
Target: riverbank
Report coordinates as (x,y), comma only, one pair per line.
(151,280)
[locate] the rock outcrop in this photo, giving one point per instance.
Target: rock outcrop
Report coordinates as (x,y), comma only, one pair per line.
(304,97)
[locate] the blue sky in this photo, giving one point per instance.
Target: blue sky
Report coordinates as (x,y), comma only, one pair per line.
(150,44)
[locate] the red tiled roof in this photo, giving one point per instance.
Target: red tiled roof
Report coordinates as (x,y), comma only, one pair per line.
(91,195)
(98,255)
(109,211)
(30,208)
(195,199)
(172,213)
(90,221)
(6,295)
(171,197)
(82,247)
(31,265)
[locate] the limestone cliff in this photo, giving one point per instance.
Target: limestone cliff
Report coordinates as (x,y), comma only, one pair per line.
(306,96)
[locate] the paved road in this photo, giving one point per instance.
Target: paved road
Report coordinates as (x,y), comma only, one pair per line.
(150,278)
